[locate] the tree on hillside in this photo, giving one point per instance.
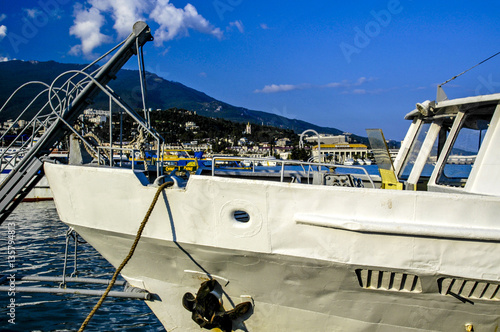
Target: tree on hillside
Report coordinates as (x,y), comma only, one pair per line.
(300,154)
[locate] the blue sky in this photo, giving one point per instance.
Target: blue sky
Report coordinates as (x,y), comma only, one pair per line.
(349,65)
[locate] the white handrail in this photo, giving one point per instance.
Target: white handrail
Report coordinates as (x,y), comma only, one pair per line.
(290,163)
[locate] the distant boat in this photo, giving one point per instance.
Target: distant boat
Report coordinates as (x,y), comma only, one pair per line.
(9,157)
(180,160)
(349,162)
(269,161)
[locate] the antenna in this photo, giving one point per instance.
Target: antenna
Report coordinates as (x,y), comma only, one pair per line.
(440,92)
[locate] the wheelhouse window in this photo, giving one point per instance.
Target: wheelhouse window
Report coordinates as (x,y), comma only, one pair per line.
(463,153)
(414,152)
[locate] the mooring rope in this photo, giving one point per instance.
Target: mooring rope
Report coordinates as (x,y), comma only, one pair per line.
(129,256)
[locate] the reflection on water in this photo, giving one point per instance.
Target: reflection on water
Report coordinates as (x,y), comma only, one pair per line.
(40,244)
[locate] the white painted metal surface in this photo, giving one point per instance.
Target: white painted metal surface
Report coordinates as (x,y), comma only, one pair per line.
(309,257)
(301,274)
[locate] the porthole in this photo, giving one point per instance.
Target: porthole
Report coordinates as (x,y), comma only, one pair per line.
(241,216)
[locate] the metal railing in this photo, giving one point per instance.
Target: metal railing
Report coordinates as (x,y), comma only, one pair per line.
(64,105)
(133,157)
(129,292)
(307,167)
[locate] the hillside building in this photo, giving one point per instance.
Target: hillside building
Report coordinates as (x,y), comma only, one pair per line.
(248,129)
(190,125)
(282,142)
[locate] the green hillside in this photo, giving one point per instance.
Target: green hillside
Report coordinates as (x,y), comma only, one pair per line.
(162,94)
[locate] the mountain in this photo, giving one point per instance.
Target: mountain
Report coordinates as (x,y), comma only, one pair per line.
(162,94)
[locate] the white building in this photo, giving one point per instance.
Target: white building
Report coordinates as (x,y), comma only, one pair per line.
(92,112)
(190,125)
(248,129)
(283,142)
(340,152)
(243,141)
(327,139)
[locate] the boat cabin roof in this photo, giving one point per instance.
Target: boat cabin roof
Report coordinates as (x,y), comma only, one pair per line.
(452,146)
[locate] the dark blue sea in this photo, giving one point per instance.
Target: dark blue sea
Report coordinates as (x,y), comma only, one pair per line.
(39,242)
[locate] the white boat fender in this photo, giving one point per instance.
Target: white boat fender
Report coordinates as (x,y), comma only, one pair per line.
(207,310)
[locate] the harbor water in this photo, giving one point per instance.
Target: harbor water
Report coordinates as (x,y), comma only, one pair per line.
(37,246)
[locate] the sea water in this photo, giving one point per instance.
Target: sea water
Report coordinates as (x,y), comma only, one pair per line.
(37,245)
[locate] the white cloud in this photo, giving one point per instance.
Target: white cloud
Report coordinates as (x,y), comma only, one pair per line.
(3,59)
(176,22)
(165,50)
(124,13)
(87,26)
(3,31)
(334,85)
(32,13)
(264,26)
(363,80)
(173,22)
(273,88)
(3,17)
(55,12)
(367,92)
(238,24)
(348,86)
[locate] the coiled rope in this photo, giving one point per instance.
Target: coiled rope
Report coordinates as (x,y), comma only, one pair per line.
(129,256)
(97,142)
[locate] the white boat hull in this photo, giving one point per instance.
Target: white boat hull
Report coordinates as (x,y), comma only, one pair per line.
(311,258)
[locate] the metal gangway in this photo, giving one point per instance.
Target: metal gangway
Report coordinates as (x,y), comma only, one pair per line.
(64,106)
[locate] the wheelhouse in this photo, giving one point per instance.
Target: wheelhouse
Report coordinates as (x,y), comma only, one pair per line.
(452,146)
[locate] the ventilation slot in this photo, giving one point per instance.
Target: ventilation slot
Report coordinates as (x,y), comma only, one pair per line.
(471,289)
(389,281)
(241,216)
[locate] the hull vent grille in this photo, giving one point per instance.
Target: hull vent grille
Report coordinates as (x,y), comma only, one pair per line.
(389,281)
(472,289)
